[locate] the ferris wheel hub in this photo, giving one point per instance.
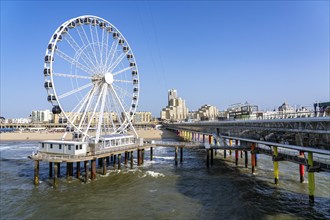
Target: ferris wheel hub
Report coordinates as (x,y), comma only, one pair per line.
(108,78)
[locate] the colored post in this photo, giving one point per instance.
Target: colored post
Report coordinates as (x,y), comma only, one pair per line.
(301,169)
(36,172)
(78,170)
(230,144)
(276,171)
(236,153)
(253,158)
(311,180)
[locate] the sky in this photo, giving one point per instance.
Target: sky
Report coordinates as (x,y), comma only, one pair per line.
(211,52)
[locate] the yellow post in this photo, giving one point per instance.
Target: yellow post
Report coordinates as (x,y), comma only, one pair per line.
(230,144)
(276,171)
(311,180)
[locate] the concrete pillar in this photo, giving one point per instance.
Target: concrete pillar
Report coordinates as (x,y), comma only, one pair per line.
(181,154)
(86,165)
(276,171)
(301,169)
(151,153)
(311,180)
(104,166)
(131,158)
(93,169)
(78,170)
(50,169)
(36,172)
(55,182)
(59,169)
(142,157)
(119,161)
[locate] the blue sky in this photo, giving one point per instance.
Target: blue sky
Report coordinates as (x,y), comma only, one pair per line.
(212,52)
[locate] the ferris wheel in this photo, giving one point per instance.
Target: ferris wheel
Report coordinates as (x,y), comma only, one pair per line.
(91,77)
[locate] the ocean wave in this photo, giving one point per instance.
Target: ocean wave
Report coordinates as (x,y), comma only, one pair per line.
(153,174)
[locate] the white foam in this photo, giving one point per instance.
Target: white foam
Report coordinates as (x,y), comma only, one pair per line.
(153,174)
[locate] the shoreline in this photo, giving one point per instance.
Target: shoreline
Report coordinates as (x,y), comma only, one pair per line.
(40,136)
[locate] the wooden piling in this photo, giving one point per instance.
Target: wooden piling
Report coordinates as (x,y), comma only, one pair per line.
(104,166)
(119,161)
(176,156)
(50,169)
(93,169)
(131,158)
(138,157)
(114,161)
(55,180)
(253,158)
(151,153)
(78,170)
(181,154)
(246,159)
(86,165)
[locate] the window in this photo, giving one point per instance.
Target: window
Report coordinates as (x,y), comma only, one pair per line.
(60,146)
(43,145)
(80,146)
(69,147)
(76,147)
(51,146)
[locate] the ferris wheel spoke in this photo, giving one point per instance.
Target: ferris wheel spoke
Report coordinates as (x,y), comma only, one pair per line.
(75,91)
(123,70)
(89,45)
(123,91)
(92,33)
(124,111)
(79,50)
(122,81)
(110,111)
(104,95)
(116,62)
(95,108)
(74,112)
(82,36)
(111,54)
(116,107)
(73,62)
(88,103)
(101,49)
(71,76)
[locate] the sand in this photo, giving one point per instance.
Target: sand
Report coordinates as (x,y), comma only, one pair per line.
(42,135)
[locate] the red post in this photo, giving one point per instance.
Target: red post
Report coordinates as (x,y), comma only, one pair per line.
(253,157)
(301,169)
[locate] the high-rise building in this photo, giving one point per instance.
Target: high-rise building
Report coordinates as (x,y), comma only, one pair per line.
(176,109)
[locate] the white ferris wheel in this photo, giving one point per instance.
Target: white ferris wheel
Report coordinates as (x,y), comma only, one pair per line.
(91,77)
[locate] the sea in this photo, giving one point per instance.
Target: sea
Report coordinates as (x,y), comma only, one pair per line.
(159,189)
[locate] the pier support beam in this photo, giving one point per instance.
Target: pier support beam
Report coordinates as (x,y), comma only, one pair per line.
(104,166)
(78,170)
(50,169)
(59,169)
(207,157)
(138,157)
(142,157)
(151,153)
(230,144)
(246,158)
(131,158)
(126,158)
(55,181)
(276,171)
(181,154)
(311,180)
(176,156)
(86,165)
(301,169)
(93,169)
(236,153)
(36,172)
(119,161)
(114,161)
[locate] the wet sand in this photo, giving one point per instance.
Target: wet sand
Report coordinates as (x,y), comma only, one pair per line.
(33,136)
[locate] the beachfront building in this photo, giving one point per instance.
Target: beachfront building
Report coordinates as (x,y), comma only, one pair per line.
(142,117)
(206,112)
(41,116)
(176,109)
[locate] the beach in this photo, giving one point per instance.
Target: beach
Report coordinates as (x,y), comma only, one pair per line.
(44,135)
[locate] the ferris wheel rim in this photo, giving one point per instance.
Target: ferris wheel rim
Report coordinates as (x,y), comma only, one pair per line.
(124,124)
